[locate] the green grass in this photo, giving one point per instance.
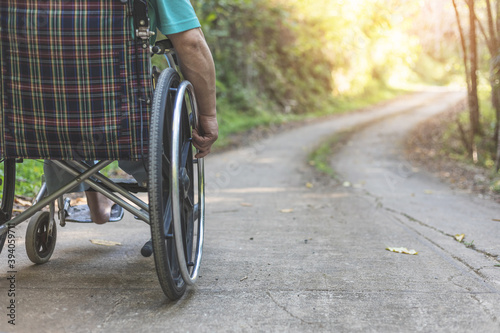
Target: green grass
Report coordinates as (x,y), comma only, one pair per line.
(320,157)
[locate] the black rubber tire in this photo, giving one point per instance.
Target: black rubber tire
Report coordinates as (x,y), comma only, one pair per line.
(160,202)
(8,184)
(39,243)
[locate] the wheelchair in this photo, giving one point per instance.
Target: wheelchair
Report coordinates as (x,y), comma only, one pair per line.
(77,85)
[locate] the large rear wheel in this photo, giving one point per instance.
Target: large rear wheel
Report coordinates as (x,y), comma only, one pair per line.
(176,186)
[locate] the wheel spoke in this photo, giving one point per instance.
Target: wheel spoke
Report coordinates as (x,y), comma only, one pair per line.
(189,202)
(165,166)
(43,247)
(185,152)
(167,217)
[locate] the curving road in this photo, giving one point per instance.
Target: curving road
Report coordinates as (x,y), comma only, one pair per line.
(282,255)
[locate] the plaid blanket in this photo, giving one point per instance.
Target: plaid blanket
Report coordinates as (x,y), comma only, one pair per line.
(74,82)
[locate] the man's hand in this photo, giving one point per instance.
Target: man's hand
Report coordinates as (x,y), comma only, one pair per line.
(197,67)
(205,134)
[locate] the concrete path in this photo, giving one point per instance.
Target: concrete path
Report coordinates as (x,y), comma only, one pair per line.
(282,256)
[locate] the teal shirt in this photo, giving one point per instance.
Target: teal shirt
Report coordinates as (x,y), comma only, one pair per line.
(172,16)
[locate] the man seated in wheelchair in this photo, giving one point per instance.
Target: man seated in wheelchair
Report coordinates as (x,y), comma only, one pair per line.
(177,20)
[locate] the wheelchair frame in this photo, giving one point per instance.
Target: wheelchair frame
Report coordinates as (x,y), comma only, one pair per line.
(177,222)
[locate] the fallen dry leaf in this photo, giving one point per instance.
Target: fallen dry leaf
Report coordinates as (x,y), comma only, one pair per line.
(22,202)
(78,201)
(459,237)
(309,185)
(104,242)
(246,204)
(496,220)
(287,210)
(428,191)
(403,250)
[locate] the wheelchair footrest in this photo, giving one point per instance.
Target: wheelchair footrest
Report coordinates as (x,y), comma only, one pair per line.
(81,214)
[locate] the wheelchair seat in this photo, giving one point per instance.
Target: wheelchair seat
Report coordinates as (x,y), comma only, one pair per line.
(76,84)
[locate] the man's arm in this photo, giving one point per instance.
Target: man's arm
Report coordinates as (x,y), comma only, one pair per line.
(198,67)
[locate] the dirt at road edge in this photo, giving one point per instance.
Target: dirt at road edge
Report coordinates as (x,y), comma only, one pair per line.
(424,148)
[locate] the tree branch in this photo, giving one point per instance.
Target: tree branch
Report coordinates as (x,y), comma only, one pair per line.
(491,38)
(491,28)
(498,16)
(463,137)
(464,46)
(489,41)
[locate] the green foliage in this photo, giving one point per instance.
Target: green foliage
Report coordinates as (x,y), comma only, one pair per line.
(28,177)
(496,186)
(263,58)
(281,60)
(432,71)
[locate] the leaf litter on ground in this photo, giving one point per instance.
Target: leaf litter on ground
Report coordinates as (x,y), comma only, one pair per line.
(402,250)
(104,242)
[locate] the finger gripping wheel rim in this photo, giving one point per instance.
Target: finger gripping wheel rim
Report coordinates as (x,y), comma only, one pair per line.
(40,238)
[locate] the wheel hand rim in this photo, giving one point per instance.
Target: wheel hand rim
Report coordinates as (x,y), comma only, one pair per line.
(189,278)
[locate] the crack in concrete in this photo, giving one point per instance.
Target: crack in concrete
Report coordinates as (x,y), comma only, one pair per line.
(286,310)
(478,275)
(486,309)
(473,247)
(449,257)
(380,205)
(452,259)
(113,310)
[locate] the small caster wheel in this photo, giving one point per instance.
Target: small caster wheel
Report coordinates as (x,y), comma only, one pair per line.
(40,242)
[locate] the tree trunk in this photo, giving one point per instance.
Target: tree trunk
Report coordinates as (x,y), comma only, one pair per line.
(497,159)
(473,99)
(495,100)
(496,91)
(465,58)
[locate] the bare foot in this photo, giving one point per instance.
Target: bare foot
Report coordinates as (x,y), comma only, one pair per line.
(100,207)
